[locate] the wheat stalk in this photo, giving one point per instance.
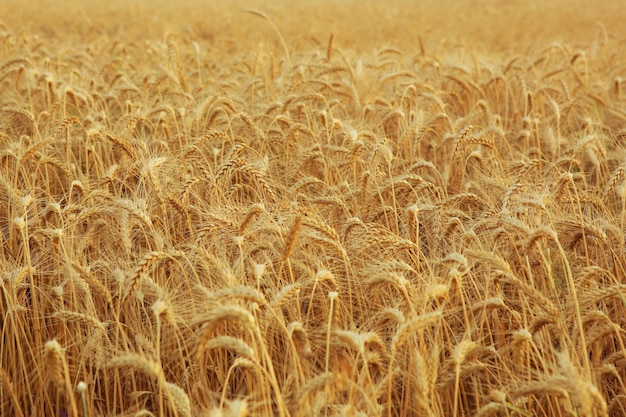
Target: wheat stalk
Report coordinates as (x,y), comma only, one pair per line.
(275,28)
(58,374)
(8,386)
(327,208)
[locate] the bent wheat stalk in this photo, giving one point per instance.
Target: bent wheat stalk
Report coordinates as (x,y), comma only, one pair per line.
(275,28)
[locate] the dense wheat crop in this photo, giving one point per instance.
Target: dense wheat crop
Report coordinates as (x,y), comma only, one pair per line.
(275,209)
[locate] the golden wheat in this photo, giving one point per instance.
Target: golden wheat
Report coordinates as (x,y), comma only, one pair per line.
(276,217)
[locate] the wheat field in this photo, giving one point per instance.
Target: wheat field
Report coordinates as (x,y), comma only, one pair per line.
(259,208)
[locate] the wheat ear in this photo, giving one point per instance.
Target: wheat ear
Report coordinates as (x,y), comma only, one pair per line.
(282,41)
(58,371)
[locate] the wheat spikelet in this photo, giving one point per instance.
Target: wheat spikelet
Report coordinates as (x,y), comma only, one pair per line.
(395,75)
(204,107)
(460,137)
(13,195)
(145,345)
(365,180)
(592,297)
(161,307)
(435,99)
(437,291)
(218,107)
(176,64)
(350,224)
(230,343)
(291,238)
(490,303)
(537,234)
(323,275)
(239,408)
(592,273)
(253,210)
(509,193)
(54,359)
(331,244)
(564,182)
(490,409)
(521,341)
(577,231)
(10,69)
(231,160)
(73,316)
(77,98)
(536,296)
(319,225)
(586,393)
(125,232)
(598,332)
(391,266)
(18,276)
(394,279)
(461,198)
(595,316)
(410,181)
(329,48)
(307,97)
(30,151)
(58,372)
(243,293)
(285,294)
(308,182)
(391,314)
(615,177)
(553,386)
(251,125)
(258,271)
(94,283)
(258,176)
(208,321)
(140,270)
(15,62)
(458,258)
(462,351)
(313,385)
(298,335)
(211,136)
(178,399)
(21,111)
(126,147)
(188,184)
(64,127)
(432,123)
(355,340)
(427,367)
(459,81)
(411,327)
(542,320)
(138,362)
(178,205)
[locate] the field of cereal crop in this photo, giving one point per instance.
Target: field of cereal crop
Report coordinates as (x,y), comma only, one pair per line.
(258,208)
